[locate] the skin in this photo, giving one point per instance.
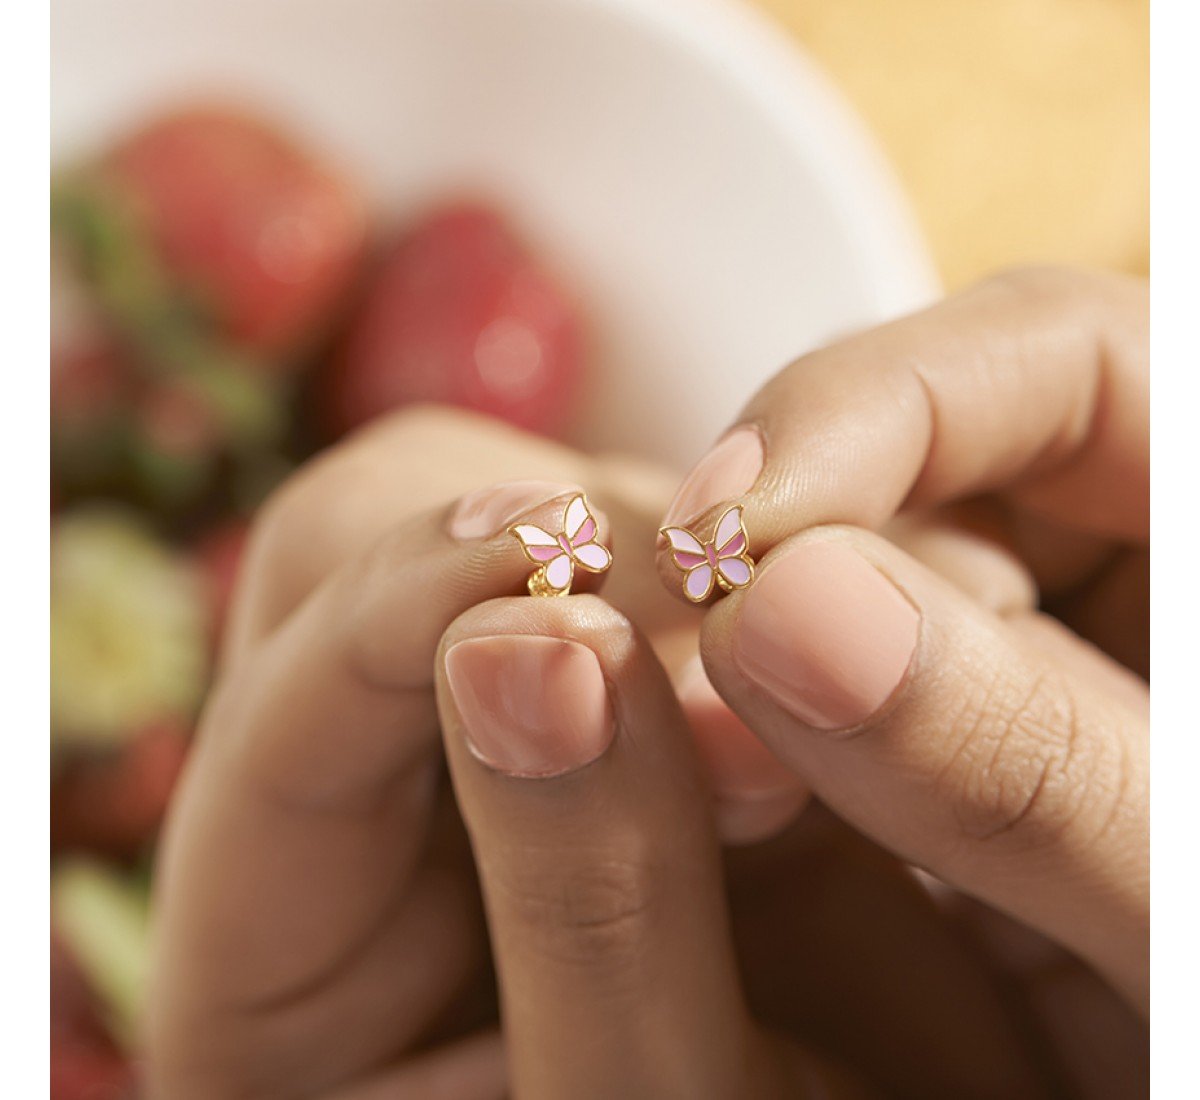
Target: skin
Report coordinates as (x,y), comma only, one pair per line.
(350,900)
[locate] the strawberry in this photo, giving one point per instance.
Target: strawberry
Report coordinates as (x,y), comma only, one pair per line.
(73,1012)
(263,235)
(88,418)
(459,313)
(87,377)
(113,803)
(85,1063)
(89,383)
(214,251)
(83,1071)
(219,555)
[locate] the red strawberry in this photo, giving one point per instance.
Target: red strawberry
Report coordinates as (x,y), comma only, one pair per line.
(87,385)
(90,380)
(219,555)
(177,421)
(73,1013)
(114,803)
(85,1063)
(84,1072)
(459,313)
(269,238)
(210,251)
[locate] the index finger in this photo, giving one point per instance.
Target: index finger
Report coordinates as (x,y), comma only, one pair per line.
(298,867)
(346,500)
(1034,384)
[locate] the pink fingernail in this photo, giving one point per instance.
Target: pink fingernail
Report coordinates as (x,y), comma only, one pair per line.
(748,820)
(826,635)
(728,471)
(531,706)
(489,511)
(739,765)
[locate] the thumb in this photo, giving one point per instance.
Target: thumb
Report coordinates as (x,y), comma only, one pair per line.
(600,870)
(941,731)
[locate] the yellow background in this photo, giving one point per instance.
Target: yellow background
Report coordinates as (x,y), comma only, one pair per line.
(1020,127)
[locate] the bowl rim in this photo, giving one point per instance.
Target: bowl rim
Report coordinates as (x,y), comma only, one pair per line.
(777,73)
(753,52)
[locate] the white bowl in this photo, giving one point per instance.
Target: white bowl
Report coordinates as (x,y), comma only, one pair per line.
(711,200)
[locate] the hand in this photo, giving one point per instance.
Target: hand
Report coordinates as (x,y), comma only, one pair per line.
(995,749)
(621,971)
(318,921)
(1002,748)
(301,897)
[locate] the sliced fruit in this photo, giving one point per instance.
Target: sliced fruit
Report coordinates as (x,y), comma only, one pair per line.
(128,630)
(85,1063)
(103,919)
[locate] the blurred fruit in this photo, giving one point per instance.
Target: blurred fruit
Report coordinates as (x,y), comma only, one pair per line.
(87,386)
(219,556)
(176,440)
(128,630)
(100,236)
(87,378)
(266,237)
(85,1063)
(88,1072)
(89,382)
(114,803)
(128,364)
(213,252)
(459,313)
(88,416)
(73,1010)
(176,420)
(102,918)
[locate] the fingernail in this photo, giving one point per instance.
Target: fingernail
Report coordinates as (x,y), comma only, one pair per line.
(747,820)
(738,764)
(729,470)
(826,635)
(489,511)
(531,706)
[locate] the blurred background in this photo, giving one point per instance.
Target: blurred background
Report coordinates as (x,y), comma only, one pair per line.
(272,224)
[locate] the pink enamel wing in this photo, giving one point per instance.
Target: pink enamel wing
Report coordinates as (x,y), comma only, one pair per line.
(724,562)
(559,555)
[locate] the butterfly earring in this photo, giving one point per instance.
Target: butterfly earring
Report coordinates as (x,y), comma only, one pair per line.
(557,556)
(725,562)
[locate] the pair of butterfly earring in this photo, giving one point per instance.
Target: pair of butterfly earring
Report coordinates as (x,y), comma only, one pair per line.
(723,563)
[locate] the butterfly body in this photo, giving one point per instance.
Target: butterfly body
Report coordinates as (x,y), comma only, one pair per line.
(724,562)
(558,555)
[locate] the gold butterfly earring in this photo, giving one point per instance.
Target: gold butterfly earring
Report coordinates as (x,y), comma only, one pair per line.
(558,556)
(723,563)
